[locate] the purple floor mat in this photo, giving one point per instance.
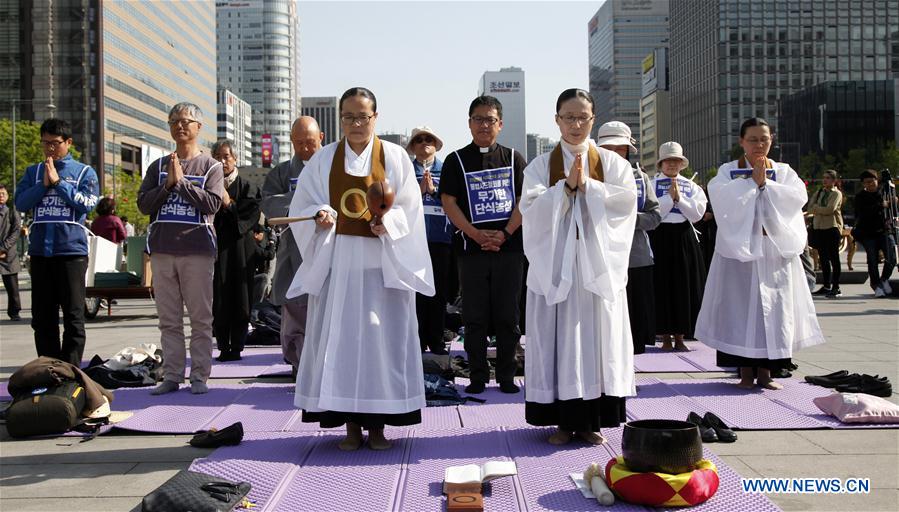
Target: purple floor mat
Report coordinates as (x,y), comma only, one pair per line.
(748,410)
(703,357)
(496,415)
(267,460)
(657,400)
(174,413)
(4,391)
(253,362)
(263,408)
(433,451)
(656,360)
(798,395)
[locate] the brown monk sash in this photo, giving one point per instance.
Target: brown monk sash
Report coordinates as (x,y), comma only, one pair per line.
(347,192)
(742,164)
(557,166)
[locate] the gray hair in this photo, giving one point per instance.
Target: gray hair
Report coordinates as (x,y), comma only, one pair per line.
(192,110)
(223,143)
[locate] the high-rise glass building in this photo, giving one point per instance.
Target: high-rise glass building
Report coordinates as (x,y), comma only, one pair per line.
(235,123)
(324,110)
(507,85)
(257,59)
(732,60)
(620,35)
(113,70)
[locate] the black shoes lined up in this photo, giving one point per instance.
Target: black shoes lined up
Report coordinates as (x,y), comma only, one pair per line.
(712,429)
(846,382)
(476,388)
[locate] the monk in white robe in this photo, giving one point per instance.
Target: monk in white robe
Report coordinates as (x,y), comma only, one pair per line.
(757,307)
(579,210)
(361,363)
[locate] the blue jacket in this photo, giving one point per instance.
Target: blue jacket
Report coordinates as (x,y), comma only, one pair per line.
(58,213)
(438,228)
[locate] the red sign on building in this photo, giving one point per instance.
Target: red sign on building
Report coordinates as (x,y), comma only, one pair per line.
(266,150)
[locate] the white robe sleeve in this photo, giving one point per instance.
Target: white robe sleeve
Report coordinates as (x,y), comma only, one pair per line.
(745,214)
(692,207)
(316,244)
(405,259)
(596,224)
(781,211)
(546,231)
(609,213)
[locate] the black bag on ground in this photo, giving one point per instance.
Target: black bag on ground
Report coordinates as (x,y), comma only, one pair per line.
(195,492)
(266,321)
(46,411)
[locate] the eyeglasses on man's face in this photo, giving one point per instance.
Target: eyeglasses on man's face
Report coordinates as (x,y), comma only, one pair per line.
(182,123)
(424,138)
(52,144)
(361,120)
(572,120)
(489,121)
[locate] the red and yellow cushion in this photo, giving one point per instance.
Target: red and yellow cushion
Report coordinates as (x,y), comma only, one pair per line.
(662,489)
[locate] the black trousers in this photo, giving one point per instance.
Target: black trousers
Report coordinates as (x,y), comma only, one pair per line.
(872,246)
(11,284)
(829,254)
(431,311)
(58,282)
(231,336)
(491,292)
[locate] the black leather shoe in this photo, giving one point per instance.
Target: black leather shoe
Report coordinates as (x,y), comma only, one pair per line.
(475,388)
(835,375)
(782,373)
(724,433)
(821,291)
(214,438)
(706,432)
(509,387)
(877,386)
(826,382)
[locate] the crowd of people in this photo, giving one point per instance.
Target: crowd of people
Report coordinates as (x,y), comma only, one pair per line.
(592,257)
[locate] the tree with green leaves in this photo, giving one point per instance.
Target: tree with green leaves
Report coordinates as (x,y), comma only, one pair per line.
(28,149)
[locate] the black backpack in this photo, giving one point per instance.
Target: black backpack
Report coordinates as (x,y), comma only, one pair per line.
(46,411)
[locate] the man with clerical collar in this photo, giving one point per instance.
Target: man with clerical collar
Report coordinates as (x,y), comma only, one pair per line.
(181,193)
(361,364)
(431,311)
(60,192)
(480,191)
(306,137)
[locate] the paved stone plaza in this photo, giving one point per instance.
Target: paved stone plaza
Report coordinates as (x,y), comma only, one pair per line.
(114,471)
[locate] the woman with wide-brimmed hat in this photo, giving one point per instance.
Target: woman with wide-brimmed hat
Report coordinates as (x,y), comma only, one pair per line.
(679,270)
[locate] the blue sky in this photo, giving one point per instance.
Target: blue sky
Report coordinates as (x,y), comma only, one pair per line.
(423,59)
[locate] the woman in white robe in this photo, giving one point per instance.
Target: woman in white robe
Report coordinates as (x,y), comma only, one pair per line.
(757,307)
(361,364)
(578,225)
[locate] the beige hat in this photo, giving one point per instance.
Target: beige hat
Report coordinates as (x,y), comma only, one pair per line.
(672,150)
(418,130)
(616,133)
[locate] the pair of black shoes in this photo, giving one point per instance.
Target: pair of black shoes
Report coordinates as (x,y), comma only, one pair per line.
(476,388)
(712,429)
(213,438)
(224,357)
(846,382)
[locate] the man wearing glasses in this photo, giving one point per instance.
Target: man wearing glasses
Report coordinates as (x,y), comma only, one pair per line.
(60,192)
(431,311)
(480,189)
(181,193)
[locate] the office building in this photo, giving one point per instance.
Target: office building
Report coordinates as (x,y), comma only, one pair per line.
(620,35)
(655,109)
(257,59)
(507,85)
(235,123)
(731,60)
(538,145)
(324,110)
(400,139)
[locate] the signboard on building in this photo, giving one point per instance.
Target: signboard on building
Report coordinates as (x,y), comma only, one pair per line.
(501,86)
(266,150)
(655,72)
